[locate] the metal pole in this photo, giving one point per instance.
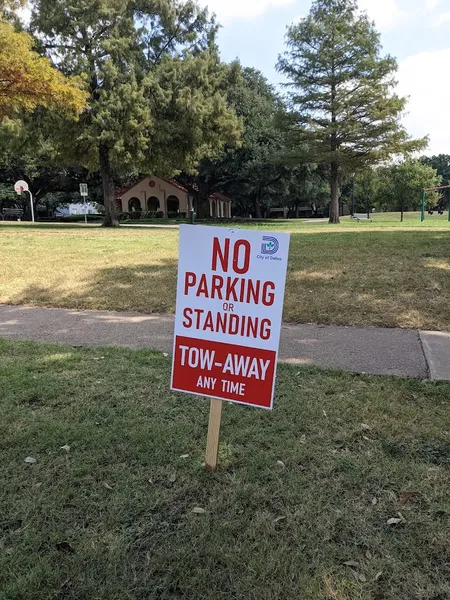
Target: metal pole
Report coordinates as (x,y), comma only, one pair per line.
(424,197)
(85,211)
(32,207)
(353,197)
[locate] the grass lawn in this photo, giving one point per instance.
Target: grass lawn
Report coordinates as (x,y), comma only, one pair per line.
(299,508)
(353,274)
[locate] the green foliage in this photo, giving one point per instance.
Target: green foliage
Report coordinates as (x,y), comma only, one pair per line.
(400,186)
(253,174)
(51,186)
(155,82)
(344,110)
(442,165)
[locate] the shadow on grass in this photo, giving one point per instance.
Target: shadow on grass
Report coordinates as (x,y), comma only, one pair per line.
(143,288)
(8,225)
(382,278)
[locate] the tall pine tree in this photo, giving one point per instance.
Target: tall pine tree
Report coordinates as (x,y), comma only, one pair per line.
(344,109)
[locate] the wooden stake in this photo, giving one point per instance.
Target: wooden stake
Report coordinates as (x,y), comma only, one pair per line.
(212,446)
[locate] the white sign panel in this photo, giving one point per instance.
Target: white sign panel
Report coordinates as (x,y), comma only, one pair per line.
(230,297)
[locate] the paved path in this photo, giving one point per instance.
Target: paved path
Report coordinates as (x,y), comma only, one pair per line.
(359,350)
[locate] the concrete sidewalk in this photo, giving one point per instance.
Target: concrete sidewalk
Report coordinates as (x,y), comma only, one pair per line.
(371,350)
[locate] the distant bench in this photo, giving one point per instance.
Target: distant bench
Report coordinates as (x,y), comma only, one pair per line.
(12,212)
(361,217)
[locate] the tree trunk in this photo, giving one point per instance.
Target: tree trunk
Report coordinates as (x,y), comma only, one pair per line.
(109,192)
(258,206)
(334,206)
(402,210)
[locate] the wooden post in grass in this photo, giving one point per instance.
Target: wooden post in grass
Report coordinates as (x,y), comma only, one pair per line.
(230,353)
(212,445)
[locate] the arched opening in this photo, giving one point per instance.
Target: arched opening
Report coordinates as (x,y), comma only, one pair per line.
(173,206)
(153,204)
(134,205)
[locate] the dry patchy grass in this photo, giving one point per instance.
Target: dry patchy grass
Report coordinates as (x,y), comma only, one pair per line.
(348,275)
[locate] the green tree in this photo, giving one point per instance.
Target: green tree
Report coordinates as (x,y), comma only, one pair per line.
(45,179)
(155,81)
(344,110)
(252,174)
(400,186)
(362,188)
(441,163)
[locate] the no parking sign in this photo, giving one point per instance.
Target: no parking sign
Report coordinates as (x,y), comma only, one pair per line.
(230,297)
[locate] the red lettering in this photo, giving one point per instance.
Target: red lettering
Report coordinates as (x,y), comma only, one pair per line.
(203,287)
(190,281)
(234,325)
(247,251)
(198,312)
(222,322)
(219,254)
(253,290)
(252,328)
(231,289)
(268,298)
(208,322)
(187,314)
(216,288)
(265,329)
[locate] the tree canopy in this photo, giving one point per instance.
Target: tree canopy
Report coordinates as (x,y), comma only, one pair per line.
(156,97)
(441,163)
(344,109)
(400,185)
(28,80)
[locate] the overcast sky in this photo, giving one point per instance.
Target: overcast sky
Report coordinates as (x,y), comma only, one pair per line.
(416,32)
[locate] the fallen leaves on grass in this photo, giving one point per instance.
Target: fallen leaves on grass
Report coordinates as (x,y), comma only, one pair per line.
(107,486)
(396,520)
(406,497)
(281,464)
(173,477)
(278,519)
(30,460)
(198,511)
(66,448)
(358,576)
(351,563)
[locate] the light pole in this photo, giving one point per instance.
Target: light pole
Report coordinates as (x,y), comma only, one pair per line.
(22,186)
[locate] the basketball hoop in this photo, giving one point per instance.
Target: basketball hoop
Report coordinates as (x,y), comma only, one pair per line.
(19,188)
